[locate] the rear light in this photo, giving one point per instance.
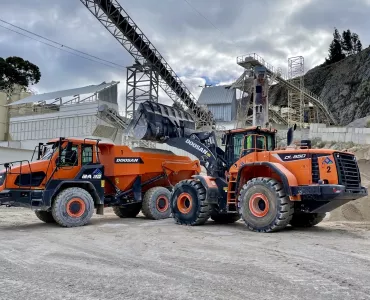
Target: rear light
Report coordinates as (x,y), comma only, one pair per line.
(336,191)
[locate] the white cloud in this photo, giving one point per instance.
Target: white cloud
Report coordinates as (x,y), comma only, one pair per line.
(195,49)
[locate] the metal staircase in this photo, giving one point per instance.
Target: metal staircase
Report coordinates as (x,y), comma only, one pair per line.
(245,83)
(111,116)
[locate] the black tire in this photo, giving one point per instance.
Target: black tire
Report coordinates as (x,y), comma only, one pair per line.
(225,218)
(73,207)
(129,211)
(188,203)
(45,216)
(264,206)
(156,203)
(306,220)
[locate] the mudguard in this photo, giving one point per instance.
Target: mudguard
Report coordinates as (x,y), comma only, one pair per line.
(209,183)
(287,178)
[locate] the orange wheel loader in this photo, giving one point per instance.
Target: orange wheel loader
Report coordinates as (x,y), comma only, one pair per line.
(268,188)
(73,177)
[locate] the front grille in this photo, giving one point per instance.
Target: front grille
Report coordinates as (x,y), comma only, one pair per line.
(30,179)
(348,171)
(315,168)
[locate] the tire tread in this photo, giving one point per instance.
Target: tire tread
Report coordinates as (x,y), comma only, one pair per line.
(286,207)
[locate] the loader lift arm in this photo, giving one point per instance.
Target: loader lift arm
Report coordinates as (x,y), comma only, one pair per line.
(165,124)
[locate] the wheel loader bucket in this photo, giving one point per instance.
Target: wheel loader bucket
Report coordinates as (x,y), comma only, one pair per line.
(158,122)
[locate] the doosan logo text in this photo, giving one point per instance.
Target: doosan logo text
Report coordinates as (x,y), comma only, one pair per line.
(196,146)
(128,160)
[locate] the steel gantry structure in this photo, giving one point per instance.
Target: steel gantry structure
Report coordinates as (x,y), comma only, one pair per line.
(116,20)
(299,98)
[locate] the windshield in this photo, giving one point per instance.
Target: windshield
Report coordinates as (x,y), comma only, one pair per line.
(47,151)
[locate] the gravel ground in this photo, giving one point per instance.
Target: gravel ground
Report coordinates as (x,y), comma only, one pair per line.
(114,258)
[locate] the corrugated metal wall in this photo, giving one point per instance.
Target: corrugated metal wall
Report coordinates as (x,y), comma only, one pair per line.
(13,154)
(51,128)
(221,112)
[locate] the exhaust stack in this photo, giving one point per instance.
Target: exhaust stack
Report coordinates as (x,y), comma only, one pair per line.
(158,122)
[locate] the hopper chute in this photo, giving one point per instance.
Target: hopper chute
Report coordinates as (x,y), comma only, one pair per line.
(157,122)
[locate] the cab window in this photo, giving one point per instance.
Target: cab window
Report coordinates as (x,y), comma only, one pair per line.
(259,142)
(69,157)
(87,154)
(237,145)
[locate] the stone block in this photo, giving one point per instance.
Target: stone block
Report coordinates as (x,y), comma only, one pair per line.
(360,139)
(313,127)
(348,137)
(341,136)
(351,129)
(357,138)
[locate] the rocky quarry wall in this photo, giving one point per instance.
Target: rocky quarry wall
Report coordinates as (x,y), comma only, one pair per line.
(343,86)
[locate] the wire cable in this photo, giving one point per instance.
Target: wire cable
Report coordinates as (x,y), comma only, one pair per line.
(62,47)
(203,16)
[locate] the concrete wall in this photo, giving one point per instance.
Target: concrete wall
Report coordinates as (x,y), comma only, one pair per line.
(17,94)
(340,134)
(14,154)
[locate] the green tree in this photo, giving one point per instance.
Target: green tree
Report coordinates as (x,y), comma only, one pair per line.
(16,70)
(358,47)
(347,43)
(335,49)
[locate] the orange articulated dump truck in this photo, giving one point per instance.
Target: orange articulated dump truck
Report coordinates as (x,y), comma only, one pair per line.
(73,177)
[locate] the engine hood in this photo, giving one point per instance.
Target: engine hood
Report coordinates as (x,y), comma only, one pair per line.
(25,168)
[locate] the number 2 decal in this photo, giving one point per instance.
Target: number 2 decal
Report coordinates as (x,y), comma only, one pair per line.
(328,169)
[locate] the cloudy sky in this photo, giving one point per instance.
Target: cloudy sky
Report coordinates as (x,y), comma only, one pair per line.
(199,48)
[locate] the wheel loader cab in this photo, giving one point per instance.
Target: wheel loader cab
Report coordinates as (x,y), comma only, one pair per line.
(241,142)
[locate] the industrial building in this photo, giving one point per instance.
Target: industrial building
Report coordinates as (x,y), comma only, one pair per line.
(85,112)
(90,111)
(18,93)
(221,101)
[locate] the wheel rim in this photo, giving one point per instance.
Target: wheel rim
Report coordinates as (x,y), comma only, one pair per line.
(259,205)
(76,207)
(184,203)
(162,203)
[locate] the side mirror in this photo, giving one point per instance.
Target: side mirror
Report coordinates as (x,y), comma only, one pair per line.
(223,140)
(40,151)
(290,134)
